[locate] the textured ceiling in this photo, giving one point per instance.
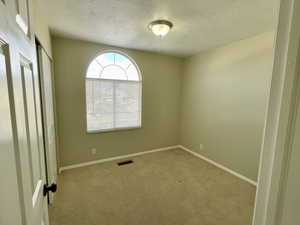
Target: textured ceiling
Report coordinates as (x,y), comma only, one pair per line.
(198,24)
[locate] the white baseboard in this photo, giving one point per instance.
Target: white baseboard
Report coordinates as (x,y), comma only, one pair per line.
(159,150)
(219,165)
(116,158)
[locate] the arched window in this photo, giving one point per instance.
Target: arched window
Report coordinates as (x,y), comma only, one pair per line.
(113,93)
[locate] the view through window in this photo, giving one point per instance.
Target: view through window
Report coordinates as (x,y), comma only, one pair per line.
(113,93)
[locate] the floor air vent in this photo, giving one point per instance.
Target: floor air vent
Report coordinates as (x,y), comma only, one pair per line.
(125,162)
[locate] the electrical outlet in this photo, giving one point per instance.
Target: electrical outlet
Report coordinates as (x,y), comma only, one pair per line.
(201,146)
(93,151)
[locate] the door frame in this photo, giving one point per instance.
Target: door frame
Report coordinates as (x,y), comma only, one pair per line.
(279,128)
(40,71)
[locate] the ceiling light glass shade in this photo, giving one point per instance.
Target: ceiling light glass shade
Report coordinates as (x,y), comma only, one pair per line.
(160,27)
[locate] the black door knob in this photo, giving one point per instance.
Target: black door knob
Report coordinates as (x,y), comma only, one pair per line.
(52,188)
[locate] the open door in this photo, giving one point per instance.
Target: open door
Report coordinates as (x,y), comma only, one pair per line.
(46,83)
(22,159)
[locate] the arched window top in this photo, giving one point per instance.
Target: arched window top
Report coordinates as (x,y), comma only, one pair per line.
(113,66)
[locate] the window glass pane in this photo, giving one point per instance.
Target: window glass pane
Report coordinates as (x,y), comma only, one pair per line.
(114,72)
(127,104)
(122,61)
(132,73)
(94,70)
(106,59)
(99,97)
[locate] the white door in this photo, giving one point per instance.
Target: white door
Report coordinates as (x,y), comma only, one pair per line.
(22,165)
(10,212)
(45,67)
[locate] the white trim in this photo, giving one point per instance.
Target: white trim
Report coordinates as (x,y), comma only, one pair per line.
(112,129)
(119,80)
(160,150)
(116,158)
(219,165)
(36,192)
(280,124)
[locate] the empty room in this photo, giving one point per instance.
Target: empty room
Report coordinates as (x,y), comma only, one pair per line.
(130,112)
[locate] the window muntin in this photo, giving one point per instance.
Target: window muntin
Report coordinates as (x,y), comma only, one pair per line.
(113,66)
(113,93)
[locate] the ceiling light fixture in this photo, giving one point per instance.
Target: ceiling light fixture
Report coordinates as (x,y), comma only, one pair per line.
(160,27)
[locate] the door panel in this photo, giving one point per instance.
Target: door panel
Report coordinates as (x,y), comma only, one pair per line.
(23,9)
(48,115)
(31,101)
(31,128)
(22,18)
(10,212)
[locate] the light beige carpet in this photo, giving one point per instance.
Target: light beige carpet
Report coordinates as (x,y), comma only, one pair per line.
(166,188)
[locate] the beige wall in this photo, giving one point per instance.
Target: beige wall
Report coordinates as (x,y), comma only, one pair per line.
(216,98)
(160,111)
(224,97)
(41,28)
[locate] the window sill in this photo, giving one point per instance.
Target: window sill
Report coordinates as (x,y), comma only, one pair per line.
(113,130)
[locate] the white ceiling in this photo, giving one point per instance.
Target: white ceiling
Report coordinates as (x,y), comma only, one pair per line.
(198,24)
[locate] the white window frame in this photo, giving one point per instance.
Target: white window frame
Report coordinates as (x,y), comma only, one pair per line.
(140,100)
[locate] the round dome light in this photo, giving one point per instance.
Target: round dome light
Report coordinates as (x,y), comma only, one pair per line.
(160,27)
